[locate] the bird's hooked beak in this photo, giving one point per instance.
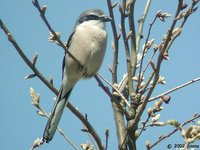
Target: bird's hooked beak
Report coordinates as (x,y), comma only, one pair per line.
(105,18)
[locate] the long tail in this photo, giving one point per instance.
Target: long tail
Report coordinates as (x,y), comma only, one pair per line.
(55,115)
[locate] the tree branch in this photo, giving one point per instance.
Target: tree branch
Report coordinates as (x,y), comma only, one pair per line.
(116,42)
(131,21)
(175,88)
(143,53)
(115,89)
(118,113)
(127,50)
(141,24)
(110,95)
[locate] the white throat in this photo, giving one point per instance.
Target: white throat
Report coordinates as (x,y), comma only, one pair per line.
(96,23)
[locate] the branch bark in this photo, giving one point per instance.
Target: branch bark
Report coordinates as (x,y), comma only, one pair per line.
(141,24)
(118,114)
(175,88)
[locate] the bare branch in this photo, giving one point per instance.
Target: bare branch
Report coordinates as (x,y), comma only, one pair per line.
(143,126)
(127,50)
(118,114)
(116,42)
(107,136)
(141,24)
(131,21)
(115,88)
(110,95)
(67,139)
(143,52)
(175,88)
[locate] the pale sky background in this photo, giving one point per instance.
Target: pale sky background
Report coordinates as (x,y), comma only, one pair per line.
(20,125)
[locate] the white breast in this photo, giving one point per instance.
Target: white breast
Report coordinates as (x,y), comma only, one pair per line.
(88,46)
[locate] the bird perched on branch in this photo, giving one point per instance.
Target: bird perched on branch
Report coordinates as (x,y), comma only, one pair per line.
(87,44)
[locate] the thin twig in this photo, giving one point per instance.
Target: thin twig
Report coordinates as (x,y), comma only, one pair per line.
(175,88)
(89,127)
(145,88)
(143,52)
(110,95)
(106,144)
(116,106)
(141,24)
(123,98)
(127,50)
(182,24)
(194,2)
(116,43)
(131,21)
(90,136)
(123,82)
(118,114)
(67,139)
(149,62)
(143,126)
(107,137)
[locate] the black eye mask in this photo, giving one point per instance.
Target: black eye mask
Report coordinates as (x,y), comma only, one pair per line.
(89,17)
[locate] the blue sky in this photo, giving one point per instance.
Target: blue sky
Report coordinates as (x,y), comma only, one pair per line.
(20,125)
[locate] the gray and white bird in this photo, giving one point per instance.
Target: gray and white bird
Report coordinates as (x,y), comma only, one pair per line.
(87,44)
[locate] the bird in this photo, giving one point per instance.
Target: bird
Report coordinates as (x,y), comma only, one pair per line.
(87,43)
